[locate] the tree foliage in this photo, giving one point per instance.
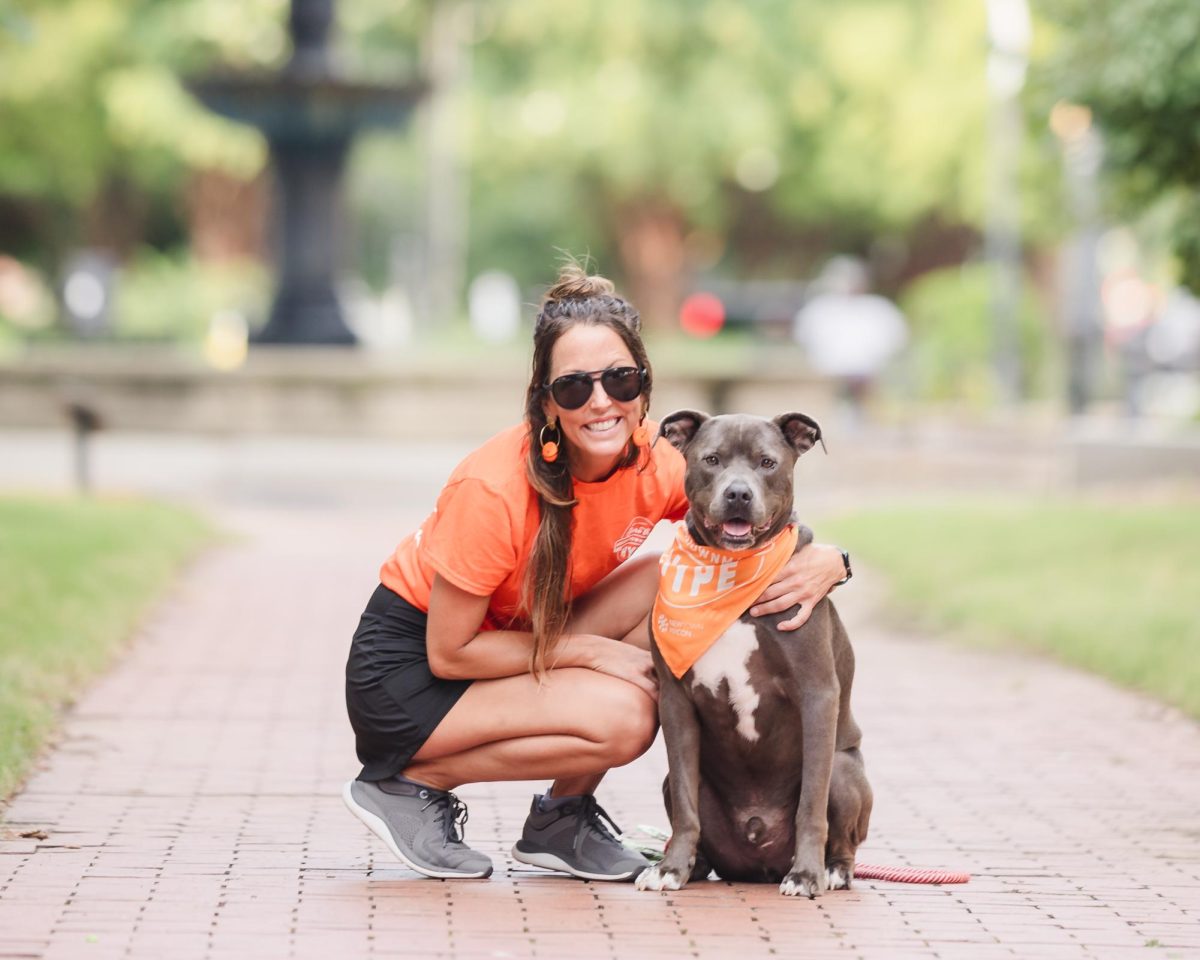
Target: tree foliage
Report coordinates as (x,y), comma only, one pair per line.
(670,136)
(1134,63)
(93,96)
(858,119)
(95,92)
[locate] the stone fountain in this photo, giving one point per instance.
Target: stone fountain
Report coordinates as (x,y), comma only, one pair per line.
(310,115)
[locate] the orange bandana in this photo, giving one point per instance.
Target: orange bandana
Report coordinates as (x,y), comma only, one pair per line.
(703,590)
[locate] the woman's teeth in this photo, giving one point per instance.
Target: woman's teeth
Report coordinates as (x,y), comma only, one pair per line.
(603,424)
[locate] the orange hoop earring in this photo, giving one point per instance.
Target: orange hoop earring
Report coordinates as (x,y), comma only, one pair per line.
(549,447)
(641,436)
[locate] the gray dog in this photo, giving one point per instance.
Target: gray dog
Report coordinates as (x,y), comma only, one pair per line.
(766,779)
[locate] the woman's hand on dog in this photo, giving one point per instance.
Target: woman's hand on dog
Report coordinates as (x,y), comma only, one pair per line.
(811,573)
(624,661)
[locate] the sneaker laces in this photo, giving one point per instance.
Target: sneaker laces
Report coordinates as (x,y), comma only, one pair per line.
(593,816)
(452,813)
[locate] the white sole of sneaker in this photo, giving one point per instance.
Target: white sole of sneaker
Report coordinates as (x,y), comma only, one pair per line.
(549,861)
(380,829)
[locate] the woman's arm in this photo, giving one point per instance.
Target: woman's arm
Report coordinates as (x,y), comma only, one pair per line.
(459,650)
(810,574)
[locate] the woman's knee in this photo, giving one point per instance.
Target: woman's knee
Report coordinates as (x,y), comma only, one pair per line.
(630,725)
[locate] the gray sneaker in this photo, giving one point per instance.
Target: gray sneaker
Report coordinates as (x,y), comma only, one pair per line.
(575,837)
(420,825)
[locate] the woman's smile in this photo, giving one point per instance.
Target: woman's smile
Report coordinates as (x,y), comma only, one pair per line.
(597,433)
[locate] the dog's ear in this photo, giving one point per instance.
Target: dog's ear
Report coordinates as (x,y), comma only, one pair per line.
(680,428)
(801,432)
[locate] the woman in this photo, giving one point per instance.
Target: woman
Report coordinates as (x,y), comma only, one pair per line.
(507,640)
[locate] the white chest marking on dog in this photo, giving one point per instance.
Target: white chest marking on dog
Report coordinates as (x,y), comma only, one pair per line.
(728,659)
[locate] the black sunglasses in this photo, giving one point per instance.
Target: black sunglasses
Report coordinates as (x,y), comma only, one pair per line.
(572,390)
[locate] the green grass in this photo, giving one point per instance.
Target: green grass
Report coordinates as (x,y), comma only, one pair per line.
(75,576)
(1112,588)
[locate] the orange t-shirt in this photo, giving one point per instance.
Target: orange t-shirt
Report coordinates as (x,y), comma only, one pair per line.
(480,534)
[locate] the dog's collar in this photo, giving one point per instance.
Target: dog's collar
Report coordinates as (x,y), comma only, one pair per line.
(703,590)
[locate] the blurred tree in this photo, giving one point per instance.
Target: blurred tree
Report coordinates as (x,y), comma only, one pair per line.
(951,355)
(662,137)
(97,135)
(1134,63)
(100,142)
(768,133)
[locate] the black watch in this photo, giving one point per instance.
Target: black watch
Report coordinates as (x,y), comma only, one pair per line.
(849,572)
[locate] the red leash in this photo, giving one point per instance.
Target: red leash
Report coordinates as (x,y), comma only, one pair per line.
(865,871)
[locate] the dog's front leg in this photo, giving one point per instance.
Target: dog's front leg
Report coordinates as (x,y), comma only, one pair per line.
(681,733)
(807,876)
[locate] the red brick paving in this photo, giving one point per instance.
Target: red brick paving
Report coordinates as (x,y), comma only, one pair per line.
(192,804)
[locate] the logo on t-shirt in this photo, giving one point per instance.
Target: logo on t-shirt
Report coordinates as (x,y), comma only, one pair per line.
(634,536)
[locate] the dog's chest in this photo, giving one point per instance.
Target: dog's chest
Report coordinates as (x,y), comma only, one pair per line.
(727,662)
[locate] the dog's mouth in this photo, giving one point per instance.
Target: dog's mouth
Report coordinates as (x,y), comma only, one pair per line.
(737,529)
(734,533)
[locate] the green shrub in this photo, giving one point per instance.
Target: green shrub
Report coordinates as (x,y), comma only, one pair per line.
(951,356)
(167,298)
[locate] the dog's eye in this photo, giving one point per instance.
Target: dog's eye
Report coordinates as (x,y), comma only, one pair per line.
(712,459)
(768,463)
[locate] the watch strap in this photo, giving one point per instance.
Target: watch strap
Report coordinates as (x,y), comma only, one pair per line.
(849,572)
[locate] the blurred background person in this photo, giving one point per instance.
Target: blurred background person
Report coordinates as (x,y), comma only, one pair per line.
(849,334)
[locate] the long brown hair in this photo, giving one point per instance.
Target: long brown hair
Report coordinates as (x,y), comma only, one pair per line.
(576,298)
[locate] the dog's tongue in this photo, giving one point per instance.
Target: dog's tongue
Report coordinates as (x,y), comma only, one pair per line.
(735,528)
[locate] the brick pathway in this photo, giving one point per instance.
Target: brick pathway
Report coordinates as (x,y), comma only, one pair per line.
(191,806)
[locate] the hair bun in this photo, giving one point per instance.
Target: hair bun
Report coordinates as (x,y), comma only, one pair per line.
(574,283)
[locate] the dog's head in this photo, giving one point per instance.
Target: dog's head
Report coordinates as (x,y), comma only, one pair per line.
(739,472)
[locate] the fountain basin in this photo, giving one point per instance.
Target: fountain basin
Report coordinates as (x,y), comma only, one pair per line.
(287,107)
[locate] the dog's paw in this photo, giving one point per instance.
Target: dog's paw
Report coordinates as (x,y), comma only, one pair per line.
(801,883)
(656,878)
(837,876)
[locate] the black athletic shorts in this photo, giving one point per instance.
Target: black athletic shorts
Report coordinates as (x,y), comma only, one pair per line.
(394,701)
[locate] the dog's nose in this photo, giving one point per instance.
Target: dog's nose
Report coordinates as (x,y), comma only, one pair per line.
(738,492)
